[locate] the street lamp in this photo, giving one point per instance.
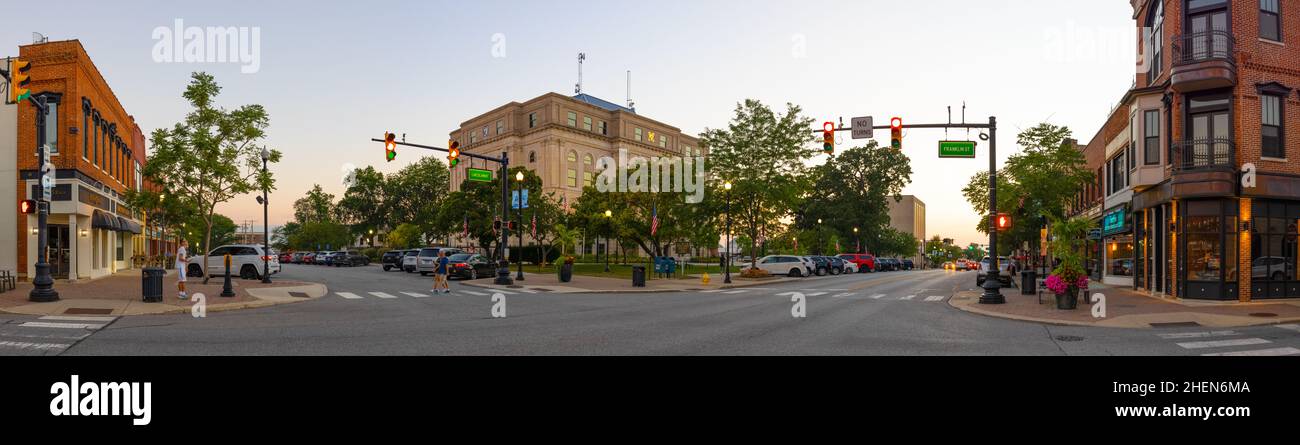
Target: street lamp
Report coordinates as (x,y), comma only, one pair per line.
(519,216)
(818,247)
(726,265)
(857,241)
(266,224)
(608,214)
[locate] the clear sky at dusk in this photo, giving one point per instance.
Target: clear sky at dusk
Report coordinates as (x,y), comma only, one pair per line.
(335,74)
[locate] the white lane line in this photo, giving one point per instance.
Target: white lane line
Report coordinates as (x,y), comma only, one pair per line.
(1290,327)
(383,295)
(349,295)
(26,345)
(815,294)
(935,298)
(1258,353)
(475,293)
(37,324)
(734,292)
(909,297)
(1207,334)
(878,296)
(843,295)
(714,291)
(68,318)
(1224,343)
(413,294)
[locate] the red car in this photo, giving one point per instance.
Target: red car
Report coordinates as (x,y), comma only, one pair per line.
(309,258)
(286,258)
(865,262)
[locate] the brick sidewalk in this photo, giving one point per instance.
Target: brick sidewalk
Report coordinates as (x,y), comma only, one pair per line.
(1129,309)
(120,294)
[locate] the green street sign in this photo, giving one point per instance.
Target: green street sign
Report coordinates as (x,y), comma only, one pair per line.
(956,149)
(480,175)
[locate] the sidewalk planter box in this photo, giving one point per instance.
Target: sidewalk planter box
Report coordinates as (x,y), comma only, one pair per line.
(566,273)
(1068,301)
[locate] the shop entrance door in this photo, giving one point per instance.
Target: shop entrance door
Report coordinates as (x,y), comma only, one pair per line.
(59,251)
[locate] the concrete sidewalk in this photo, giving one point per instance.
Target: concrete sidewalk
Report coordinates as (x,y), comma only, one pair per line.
(120,294)
(1128,309)
(550,283)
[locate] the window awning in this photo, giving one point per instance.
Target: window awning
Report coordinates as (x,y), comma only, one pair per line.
(126,225)
(103,220)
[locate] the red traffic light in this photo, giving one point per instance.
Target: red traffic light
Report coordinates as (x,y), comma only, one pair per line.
(828,137)
(27,207)
(896,133)
(1003,222)
(896,123)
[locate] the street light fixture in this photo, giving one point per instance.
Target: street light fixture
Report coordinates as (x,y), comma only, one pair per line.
(266,225)
(608,214)
(519,216)
(857,241)
(726,263)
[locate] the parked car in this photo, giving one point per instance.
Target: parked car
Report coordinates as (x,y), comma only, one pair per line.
(908,265)
(849,266)
(409,258)
(428,256)
(391,260)
(323,257)
(885,265)
(470,266)
(286,258)
(864,262)
(297,257)
(835,265)
(246,262)
(821,267)
(789,265)
(1004,272)
(348,258)
(1272,268)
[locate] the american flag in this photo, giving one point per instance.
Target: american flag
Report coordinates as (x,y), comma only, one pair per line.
(534,224)
(654,220)
(465,232)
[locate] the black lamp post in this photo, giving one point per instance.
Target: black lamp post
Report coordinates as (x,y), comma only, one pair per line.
(818,250)
(608,214)
(43,285)
(726,272)
(857,241)
(266,225)
(519,216)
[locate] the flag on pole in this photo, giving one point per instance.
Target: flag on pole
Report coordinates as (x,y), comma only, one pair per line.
(654,220)
(465,233)
(534,224)
(837,245)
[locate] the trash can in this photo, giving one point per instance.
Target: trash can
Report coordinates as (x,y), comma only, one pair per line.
(1028,282)
(152,284)
(638,276)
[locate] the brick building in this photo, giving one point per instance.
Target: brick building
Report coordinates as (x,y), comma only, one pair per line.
(98,154)
(1214,97)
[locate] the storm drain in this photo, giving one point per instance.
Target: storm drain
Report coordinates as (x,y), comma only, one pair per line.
(1263,315)
(1069,338)
(87,311)
(1181,324)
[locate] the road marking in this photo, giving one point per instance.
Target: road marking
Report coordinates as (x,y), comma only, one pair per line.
(843,295)
(815,294)
(349,295)
(1224,343)
(413,294)
(383,295)
(1290,327)
(714,291)
(475,293)
(496,290)
(1258,353)
(935,298)
(69,318)
(37,324)
(1207,334)
(909,297)
(734,292)
(878,296)
(527,291)
(25,345)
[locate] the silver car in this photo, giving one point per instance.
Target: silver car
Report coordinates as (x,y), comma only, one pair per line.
(1004,271)
(427,260)
(408,260)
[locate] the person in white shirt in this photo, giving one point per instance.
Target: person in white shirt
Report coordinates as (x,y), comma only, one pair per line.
(182,258)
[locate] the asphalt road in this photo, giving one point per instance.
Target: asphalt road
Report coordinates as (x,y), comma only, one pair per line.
(370,312)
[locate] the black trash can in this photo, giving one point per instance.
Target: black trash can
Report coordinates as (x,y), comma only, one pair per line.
(151,285)
(638,276)
(1028,282)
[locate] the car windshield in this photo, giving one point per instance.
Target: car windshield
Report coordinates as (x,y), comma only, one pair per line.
(459,257)
(428,253)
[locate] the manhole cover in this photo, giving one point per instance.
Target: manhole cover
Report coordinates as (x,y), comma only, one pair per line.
(1068,338)
(1263,315)
(299,295)
(87,311)
(1181,324)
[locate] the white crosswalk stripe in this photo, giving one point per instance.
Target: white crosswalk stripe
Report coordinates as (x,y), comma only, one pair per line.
(349,295)
(21,345)
(77,318)
(734,292)
(1190,335)
(935,298)
(713,291)
(383,295)
(1257,353)
(843,295)
(41,324)
(878,296)
(1290,327)
(815,294)
(1223,343)
(475,293)
(908,298)
(416,295)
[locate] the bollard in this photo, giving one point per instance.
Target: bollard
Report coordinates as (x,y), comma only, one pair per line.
(226,290)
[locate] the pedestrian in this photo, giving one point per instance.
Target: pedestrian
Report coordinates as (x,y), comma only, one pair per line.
(442,270)
(182,257)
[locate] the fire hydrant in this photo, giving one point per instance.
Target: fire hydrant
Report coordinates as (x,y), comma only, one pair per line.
(705,279)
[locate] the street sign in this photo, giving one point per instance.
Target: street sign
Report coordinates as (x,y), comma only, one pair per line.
(480,175)
(956,149)
(863,128)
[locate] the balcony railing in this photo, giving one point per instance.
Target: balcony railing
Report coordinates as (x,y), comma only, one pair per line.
(1204,47)
(1203,154)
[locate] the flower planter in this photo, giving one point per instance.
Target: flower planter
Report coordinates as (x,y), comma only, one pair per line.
(566,273)
(1068,301)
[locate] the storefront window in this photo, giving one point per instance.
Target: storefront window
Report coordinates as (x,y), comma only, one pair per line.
(1204,262)
(1119,252)
(1273,246)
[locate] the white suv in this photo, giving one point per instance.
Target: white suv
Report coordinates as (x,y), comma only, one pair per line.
(794,266)
(245,262)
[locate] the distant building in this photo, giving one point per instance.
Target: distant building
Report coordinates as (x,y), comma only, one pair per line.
(908,216)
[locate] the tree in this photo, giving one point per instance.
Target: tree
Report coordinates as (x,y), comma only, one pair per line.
(853,189)
(280,236)
(404,236)
(321,235)
(222,231)
(416,195)
(566,236)
(762,153)
(363,205)
(1038,182)
(211,157)
(164,211)
(315,206)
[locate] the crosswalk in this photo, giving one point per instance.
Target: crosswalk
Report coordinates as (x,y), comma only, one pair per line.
(395,295)
(49,334)
(1231,343)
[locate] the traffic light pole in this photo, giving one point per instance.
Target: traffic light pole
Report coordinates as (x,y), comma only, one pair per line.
(993,283)
(503,266)
(43,283)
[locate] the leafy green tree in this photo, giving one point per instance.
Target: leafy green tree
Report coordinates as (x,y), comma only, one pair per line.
(762,153)
(416,195)
(280,236)
(222,231)
(404,236)
(853,189)
(363,207)
(566,236)
(321,236)
(315,206)
(165,212)
(212,156)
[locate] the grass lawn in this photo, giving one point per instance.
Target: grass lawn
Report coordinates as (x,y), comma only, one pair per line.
(625,270)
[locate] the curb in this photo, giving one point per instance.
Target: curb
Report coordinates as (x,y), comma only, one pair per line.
(313,291)
(973,309)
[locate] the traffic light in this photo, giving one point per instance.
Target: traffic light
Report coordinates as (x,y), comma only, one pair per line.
(896,133)
(19,79)
(511,225)
(453,153)
(27,207)
(828,137)
(1003,222)
(390,146)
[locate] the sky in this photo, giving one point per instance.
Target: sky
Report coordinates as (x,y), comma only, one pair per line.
(335,74)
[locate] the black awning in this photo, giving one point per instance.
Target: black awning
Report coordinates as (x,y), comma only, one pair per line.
(126,225)
(103,220)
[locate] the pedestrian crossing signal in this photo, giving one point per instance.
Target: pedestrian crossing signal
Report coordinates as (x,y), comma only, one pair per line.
(1003,222)
(390,146)
(27,207)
